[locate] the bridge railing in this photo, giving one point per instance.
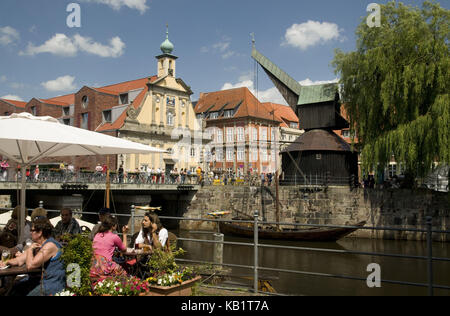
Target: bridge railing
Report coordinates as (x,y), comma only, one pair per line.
(85,177)
(254,243)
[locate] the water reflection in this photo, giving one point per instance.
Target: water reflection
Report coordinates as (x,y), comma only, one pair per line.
(398,269)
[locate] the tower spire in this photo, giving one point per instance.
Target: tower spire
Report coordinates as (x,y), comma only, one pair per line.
(167,46)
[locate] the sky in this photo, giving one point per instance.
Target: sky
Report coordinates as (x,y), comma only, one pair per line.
(44,55)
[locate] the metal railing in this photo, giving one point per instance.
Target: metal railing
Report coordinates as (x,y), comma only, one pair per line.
(142,178)
(256,268)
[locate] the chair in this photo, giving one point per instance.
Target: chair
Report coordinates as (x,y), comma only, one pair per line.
(171,242)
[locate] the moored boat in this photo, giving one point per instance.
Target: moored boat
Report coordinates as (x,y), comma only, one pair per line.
(308,234)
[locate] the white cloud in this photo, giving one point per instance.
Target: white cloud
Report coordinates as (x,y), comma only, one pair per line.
(64,83)
(271,94)
(309,82)
(246,83)
(12,97)
(311,33)
(222,48)
(8,35)
(87,45)
(61,45)
(140,5)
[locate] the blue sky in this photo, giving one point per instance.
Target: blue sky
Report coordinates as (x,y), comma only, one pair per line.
(118,41)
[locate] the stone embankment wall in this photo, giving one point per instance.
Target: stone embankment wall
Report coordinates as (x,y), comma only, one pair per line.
(399,208)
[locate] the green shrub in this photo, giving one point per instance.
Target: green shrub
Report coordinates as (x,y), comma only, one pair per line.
(78,250)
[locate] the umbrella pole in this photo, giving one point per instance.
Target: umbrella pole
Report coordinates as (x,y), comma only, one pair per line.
(22,214)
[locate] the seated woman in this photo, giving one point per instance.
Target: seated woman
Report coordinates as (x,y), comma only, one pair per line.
(159,233)
(45,253)
(144,238)
(105,243)
(152,234)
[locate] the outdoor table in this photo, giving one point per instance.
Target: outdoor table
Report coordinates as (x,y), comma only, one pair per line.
(134,261)
(14,271)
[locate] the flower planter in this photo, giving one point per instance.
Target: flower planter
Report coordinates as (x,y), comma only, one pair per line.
(183,289)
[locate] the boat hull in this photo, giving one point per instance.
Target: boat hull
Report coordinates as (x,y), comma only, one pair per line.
(313,234)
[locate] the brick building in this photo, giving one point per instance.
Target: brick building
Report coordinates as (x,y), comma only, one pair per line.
(8,107)
(246,134)
(145,110)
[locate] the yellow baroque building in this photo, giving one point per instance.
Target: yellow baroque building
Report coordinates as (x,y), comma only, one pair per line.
(165,119)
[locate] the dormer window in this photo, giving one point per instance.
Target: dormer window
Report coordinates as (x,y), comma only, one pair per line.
(293,125)
(228,113)
(124,98)
(214,115)
(107,116)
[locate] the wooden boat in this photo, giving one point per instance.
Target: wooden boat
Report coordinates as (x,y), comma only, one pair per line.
(308,234)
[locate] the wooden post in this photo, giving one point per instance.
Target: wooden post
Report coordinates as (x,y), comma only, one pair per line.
(108,184)
(277,200)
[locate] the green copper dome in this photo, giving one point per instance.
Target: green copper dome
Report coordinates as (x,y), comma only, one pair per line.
(167,46)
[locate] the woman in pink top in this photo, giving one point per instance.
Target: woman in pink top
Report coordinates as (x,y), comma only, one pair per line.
(105,243)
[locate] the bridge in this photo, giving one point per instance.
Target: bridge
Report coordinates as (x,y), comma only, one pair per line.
(97,186)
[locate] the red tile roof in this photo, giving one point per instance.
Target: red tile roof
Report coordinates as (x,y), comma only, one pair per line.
(19,104)
(283,113)
(127,86)
(230,99)
(67,99)
(121,119)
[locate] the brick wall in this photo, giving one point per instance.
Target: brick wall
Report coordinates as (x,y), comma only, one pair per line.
(97,102)
(8,108)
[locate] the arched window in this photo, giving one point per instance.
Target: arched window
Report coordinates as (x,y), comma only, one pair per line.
(170,119)
(85,101)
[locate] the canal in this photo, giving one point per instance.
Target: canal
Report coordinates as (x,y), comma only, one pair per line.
(353,265)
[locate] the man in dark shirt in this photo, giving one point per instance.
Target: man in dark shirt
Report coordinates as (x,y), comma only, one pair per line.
(67,224)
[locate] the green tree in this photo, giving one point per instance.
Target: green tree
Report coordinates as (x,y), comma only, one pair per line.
(396,87)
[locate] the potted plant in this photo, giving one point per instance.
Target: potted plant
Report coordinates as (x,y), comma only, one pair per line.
(167,278)
(121,286)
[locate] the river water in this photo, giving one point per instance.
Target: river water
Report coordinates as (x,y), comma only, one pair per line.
(394,269)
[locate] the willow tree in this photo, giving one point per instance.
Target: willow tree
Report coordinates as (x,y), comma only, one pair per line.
(396,87)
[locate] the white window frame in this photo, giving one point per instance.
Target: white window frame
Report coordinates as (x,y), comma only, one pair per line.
(240,154)
(264,133)
(230,154)
(219,136)
(254,133)
(170,119)
(230,135)
(219,155)
(264,157)
(240,134)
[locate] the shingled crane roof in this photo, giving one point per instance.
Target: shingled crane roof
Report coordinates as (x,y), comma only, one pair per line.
(293,92)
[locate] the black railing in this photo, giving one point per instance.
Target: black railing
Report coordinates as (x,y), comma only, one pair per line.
(256,268)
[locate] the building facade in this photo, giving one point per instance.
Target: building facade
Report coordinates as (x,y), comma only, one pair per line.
(154,110)
(246,134)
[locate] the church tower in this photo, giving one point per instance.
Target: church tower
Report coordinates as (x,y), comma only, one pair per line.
(166,61)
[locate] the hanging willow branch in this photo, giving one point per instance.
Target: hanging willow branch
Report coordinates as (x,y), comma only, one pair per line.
(396,87)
